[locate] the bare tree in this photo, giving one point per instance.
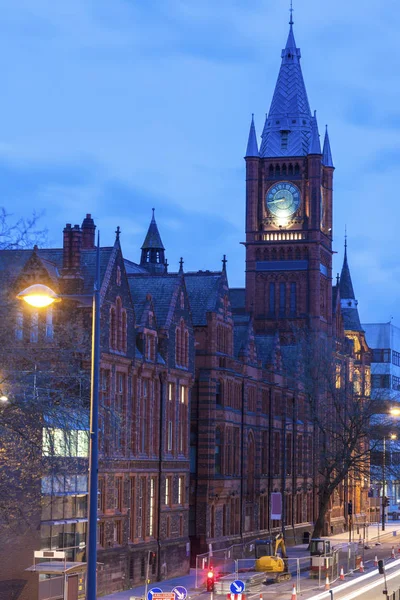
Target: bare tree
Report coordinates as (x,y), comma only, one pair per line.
(21,233)
(335,383)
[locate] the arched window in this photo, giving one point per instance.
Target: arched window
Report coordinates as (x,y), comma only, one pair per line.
(124,332)
(290,169)
(250,465)
(113,329)
(19,326)
(296,169)
(277,171)
(271,171)
(118,279)
(218,451)
(118,311)
(284,171)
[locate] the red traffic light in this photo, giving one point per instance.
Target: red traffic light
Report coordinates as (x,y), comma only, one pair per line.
(210,575)
(210,581)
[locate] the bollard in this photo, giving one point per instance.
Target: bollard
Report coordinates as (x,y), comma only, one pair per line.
(341,573)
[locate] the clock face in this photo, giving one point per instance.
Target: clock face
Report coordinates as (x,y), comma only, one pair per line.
(283,199)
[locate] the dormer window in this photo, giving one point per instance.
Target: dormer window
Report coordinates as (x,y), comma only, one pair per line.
(284,140)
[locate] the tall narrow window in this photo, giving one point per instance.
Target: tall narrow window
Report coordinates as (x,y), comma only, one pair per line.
(272,299)
(152,512)
(34,327)
(282,299)
(218,448)
(49,324)
(293,299)
(19,325)
(181,496)
(132,516)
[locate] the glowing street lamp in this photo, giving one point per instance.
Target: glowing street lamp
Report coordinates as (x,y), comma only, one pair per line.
(41,296)
(395,412)
(38,295)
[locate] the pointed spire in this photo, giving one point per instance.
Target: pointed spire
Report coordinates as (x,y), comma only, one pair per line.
(315,144)
(153,249)
(181,265)
(287,128)
(252,146)
(348,300)
(327,160)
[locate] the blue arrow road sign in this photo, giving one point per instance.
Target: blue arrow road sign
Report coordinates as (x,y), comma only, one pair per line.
(237,587)
(180,592)
(153,591)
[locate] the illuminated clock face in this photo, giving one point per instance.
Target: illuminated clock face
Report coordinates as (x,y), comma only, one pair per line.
(283,199)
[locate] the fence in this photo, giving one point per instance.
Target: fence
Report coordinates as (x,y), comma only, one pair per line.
(239,559)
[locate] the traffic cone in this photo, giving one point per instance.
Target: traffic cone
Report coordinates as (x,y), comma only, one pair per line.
(361,566)
(341,573)
(261,597)
(294,593)
(393,555)
(376,561)
(327,584)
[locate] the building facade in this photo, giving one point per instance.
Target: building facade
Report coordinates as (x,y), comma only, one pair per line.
(204,413)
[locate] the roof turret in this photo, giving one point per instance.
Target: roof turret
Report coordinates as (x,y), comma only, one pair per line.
(153,258)
(327,160)
(315,144)
(252,146)
(348,302)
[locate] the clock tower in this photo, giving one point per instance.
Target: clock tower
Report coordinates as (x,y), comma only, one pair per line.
(289,184)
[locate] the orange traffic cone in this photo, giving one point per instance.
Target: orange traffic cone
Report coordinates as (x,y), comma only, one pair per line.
(294,593)
(261,597)
(376,561)
(361,566)
(341,573)
(327,584)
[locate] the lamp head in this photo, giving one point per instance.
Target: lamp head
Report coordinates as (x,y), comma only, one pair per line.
(38,295)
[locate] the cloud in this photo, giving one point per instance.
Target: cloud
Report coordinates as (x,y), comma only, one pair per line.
(115,107)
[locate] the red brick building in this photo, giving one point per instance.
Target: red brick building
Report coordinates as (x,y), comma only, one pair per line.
(202,413)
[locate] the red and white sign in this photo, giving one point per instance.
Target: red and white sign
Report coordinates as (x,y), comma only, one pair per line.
(276,506)
(163,596)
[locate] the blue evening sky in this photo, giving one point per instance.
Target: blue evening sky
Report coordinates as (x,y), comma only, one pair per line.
(112,107)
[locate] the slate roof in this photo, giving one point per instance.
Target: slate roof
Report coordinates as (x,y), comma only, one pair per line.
(327,159)
(153,238)
(346,285)
(237,299)
(203,291)
(265,348)
(12,263)
(290,110)
(240,332)
(162,289)
(252,145)
(133,268)
(351,319)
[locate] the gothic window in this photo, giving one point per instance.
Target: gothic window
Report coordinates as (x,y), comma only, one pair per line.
(218,451)
(272,299)
(19,326)
(49,324)
(148,256)
(113,329)
(124,332)
(157,257)
(282,299)
(183,419)
(182,345)
(266,254)
(271,171)
(264,453)
(296,169)
(34,333)
(281,254)
(284,170)
(293,299)
(277,171)
(182,300)
(118,312)
(118,276)
(290,169)
(218,393)
(250,465)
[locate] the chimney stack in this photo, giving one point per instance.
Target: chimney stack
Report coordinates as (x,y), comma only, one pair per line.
(88,233)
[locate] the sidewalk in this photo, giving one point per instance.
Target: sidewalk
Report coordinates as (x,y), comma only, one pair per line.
(392,532)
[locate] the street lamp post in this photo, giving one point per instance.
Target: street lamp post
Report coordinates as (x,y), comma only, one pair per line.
(40,296)
(391,437)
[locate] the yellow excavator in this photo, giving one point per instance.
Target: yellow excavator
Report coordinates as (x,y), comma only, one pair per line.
(272,559)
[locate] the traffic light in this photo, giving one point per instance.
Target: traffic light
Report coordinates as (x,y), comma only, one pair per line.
(381,567)
(386,501)
(350,508)
(152,558)
(210,581)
